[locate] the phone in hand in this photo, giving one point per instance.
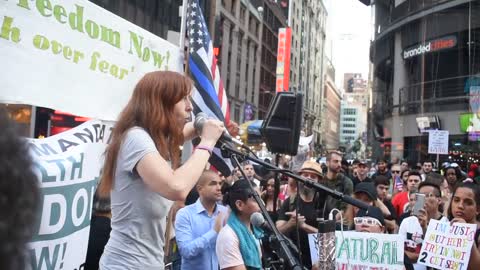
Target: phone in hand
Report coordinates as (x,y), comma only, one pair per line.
(419,203)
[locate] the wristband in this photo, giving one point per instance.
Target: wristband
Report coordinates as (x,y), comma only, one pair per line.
(201,147)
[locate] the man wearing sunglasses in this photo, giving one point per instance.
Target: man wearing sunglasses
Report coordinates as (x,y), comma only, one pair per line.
(396,183)
(372,221)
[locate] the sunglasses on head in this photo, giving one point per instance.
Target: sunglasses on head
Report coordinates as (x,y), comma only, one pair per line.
(369,221)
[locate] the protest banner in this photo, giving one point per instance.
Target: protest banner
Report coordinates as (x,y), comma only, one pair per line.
(68,168)
(76,57)
(355,250)
(447,246)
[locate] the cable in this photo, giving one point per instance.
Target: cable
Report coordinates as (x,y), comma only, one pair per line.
(330,217)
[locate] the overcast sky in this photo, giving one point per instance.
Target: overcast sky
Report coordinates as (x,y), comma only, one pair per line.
(349,33)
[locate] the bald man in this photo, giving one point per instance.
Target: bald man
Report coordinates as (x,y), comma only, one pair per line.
(197,225)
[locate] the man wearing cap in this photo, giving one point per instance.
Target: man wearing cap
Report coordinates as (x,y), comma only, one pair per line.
(307,214)
(362,173)
(372,221)
(367,193)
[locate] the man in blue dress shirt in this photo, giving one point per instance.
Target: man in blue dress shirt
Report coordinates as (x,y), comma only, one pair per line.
(197,225)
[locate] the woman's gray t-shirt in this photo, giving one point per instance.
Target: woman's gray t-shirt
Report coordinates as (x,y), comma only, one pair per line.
(138,214)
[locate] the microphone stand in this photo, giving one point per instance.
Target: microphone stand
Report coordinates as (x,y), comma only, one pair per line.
(282,244)
(307,182)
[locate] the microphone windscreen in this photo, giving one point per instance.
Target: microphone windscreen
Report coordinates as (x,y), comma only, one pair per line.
(200,119)
(257,219)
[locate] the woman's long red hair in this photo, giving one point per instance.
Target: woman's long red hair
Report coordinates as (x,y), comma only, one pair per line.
(151,107)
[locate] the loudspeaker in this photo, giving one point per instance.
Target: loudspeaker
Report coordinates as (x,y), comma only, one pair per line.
(281,129)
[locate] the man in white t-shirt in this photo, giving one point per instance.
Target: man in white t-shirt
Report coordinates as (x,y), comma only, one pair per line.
(238,246)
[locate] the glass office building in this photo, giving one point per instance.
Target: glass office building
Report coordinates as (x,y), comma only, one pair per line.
(426,60)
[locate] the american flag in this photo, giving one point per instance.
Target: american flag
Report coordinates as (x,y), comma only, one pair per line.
(210,96)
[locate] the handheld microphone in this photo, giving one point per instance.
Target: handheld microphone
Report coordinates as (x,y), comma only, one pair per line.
(200,119)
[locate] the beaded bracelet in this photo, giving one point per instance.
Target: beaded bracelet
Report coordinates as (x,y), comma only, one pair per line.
(209,149)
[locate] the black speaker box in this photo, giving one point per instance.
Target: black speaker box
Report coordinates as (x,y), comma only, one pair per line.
(281,129)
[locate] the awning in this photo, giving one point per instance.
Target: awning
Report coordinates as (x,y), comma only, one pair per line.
(250,131)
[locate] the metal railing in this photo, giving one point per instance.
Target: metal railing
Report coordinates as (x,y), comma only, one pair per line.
(433,96)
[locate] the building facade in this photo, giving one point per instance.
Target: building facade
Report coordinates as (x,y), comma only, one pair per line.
(273,18)
(353,82)
(349,123)
(355,106)
(240,44)
(330,112)
(309,23)
(426,59)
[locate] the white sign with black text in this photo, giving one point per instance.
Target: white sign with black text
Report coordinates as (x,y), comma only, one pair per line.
(438,142)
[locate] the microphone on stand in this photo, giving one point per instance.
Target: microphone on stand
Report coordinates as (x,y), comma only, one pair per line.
(258,220)
(200,119)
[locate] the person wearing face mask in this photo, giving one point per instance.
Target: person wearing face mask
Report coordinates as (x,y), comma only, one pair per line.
(307,213)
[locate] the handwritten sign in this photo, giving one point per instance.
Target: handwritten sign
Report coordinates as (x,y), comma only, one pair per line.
(438,142)
(355,250)
(447,246)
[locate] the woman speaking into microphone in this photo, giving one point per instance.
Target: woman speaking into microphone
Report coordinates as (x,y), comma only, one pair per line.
(142,173)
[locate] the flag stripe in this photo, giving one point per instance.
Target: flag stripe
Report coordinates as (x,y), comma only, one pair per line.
(200,106)
(204,88)
(209,96)
(198,69)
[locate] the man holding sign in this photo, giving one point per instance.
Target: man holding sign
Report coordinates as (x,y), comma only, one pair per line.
(413,227)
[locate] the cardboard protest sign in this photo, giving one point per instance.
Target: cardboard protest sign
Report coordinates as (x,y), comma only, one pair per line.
(355,250)
(447,246)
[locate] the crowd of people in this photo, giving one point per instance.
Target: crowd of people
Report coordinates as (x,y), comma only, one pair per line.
(212,228)
(152,211)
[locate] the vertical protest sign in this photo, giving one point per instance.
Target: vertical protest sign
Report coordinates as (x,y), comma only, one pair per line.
(438,142)
(68,168)
(447,246)
(355,250)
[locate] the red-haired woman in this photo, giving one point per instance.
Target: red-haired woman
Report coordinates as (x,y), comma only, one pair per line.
(142,172)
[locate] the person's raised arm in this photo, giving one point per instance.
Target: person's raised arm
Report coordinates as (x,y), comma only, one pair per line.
(176,184)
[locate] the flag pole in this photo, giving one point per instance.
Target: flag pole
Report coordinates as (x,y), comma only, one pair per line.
(183,28)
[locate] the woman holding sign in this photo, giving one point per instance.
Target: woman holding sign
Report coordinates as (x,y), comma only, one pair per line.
(142,172)
(465,208)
